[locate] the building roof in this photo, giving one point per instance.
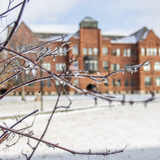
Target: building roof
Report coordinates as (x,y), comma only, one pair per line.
(51,36)
(133,38)
(88,22)
(88,19)
(141,34)
(112,37)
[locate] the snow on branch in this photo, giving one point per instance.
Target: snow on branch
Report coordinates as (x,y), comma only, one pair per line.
(27,61)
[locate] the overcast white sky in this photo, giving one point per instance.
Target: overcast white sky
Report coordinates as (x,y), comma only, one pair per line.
(120,17)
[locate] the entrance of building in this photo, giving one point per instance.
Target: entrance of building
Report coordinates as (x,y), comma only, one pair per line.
(92,87)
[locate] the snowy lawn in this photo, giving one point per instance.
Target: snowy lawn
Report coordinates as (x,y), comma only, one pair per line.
(96,129)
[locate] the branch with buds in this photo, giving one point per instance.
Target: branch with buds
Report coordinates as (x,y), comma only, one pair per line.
(18,62)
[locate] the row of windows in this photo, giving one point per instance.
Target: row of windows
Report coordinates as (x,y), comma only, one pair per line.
(61,51)
(93,65)
(19,48)
(118,82)
(75,82)
(94,51)
(150,51)
(90,51)
(147,67)
(148,81)
(126,52)
(90,65)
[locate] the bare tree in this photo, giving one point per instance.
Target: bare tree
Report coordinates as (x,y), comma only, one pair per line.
(10,69)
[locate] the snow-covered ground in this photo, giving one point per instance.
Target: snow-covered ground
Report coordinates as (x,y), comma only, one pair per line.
(94,128)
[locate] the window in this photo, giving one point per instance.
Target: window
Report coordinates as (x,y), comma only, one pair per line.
(147,67)
(75,50)
(61,51)
(151,51)
(90,51)
(19,81)
(157,66)
(85,51)
(148,51)
(105,65)
(49,83)
(90,65)
(57,83)
(113,82)
(75,65)
(142,51)
(43,83)
(56,50)
(114,52)
(28,78)
(106,83)
(65,51)
(133,53)
(157,81)
(75,82)
(105,50)
(155,51)
(118,82)
(115,67)
(95,51)
(118,52)
(127,66)
(126,82)
(132,82)
(124,52)
(128,52)
(147,81)
(47,66)
(59,66)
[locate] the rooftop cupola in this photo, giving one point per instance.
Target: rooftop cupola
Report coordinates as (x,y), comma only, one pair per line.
(88,22)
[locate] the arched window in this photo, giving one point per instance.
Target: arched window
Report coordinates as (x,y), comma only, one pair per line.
(95,51)
(155,51)
(148,51)
(90,51)
(147,67)
(157,66)
(128,52)
(118,52)
(85,51)
(151,51)
(124,52)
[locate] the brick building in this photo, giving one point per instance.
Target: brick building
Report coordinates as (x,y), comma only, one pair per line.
(99,53)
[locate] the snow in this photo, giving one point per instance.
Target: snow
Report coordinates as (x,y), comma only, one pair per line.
(51,38)
(145,35)
(93,128)
(127,39)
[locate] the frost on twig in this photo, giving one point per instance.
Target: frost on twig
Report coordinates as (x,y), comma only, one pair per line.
(27,62)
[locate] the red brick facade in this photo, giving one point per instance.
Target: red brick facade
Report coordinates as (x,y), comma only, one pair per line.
(100,53)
